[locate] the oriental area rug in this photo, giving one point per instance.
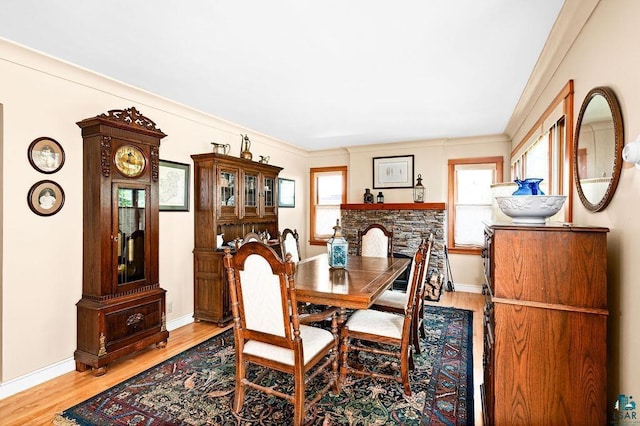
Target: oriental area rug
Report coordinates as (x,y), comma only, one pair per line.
(196,387)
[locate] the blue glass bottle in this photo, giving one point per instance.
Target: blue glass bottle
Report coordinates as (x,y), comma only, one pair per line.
(530,186)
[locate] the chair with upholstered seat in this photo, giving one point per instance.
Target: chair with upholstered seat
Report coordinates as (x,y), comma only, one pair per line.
(366,328)
(269,332)
(248,237)
(394,301)
(375,241)
(289,243)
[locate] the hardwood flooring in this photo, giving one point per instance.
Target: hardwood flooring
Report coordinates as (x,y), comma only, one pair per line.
(39,405)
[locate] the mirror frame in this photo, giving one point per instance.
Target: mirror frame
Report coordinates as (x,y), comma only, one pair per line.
(618,128)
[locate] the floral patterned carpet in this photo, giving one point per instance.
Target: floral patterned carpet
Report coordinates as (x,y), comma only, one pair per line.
(196,388)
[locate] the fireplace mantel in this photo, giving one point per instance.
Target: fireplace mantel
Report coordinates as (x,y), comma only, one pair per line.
(394,206)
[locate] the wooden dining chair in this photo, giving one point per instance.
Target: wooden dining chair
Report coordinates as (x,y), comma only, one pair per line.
(395,301)
(367,326)
(289,243)
(248,237)
(269,332)
(375,241)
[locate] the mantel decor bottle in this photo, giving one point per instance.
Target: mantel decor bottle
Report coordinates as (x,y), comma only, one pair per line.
(529,186)
(368,196)
(380,197)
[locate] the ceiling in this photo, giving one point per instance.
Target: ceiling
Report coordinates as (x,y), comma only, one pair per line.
(315,74)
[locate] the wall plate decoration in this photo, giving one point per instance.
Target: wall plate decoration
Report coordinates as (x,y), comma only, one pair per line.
(46,155)
(45,198)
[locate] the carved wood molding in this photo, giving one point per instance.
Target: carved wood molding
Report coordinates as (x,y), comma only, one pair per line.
(155,163)
(131,116)
(105,155)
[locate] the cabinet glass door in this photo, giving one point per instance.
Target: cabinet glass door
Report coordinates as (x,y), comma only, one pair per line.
(269,190)
(250,195)
(228,192)
(227,188)
(131,238)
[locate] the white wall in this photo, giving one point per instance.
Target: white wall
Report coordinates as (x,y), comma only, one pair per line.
(42,256)
(606,53)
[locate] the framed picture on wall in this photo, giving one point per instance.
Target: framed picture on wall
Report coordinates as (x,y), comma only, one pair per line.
(45,198)
(286,192)
(393,172)
(174,186)
(46,155)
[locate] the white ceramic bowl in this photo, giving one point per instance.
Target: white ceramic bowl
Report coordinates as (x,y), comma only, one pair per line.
(530,208)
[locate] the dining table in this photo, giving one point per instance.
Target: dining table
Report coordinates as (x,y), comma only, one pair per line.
(357,286)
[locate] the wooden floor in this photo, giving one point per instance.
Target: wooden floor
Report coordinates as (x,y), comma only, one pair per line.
(38,405)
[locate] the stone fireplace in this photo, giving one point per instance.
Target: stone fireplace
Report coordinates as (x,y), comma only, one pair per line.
(410,222)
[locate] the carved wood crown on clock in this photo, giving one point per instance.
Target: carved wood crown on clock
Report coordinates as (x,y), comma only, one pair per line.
(131,116)
(129,119)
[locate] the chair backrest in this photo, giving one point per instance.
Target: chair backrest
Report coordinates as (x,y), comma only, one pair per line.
(248,237)
(425,271)
(251,236)
(416,276)
(375,241)
(262,295)
(289,244)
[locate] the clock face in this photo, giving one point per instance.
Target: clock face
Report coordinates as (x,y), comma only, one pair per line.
(130,161)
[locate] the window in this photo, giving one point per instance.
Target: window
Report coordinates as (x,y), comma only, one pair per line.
(546,150)
(543,159)
(470,202)
(328,191)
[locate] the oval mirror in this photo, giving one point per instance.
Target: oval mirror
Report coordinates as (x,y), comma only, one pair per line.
(597,148)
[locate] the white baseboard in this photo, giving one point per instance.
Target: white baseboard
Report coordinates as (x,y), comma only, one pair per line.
(19,384)
(468,288)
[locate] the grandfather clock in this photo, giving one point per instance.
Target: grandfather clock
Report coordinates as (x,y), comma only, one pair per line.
(122,309)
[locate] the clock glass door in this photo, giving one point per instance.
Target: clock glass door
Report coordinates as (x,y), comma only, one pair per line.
(131,241)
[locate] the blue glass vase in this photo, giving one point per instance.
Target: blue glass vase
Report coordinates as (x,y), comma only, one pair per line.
(529,186)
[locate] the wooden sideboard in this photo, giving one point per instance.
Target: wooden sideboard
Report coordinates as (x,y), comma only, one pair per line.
(545,325)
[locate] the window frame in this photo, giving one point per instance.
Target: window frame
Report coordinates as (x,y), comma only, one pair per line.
(313,240)
(560,139)
(498,162)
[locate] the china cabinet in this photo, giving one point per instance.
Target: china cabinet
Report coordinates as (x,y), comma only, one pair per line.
(545,325)
(122,309)
(233,196)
